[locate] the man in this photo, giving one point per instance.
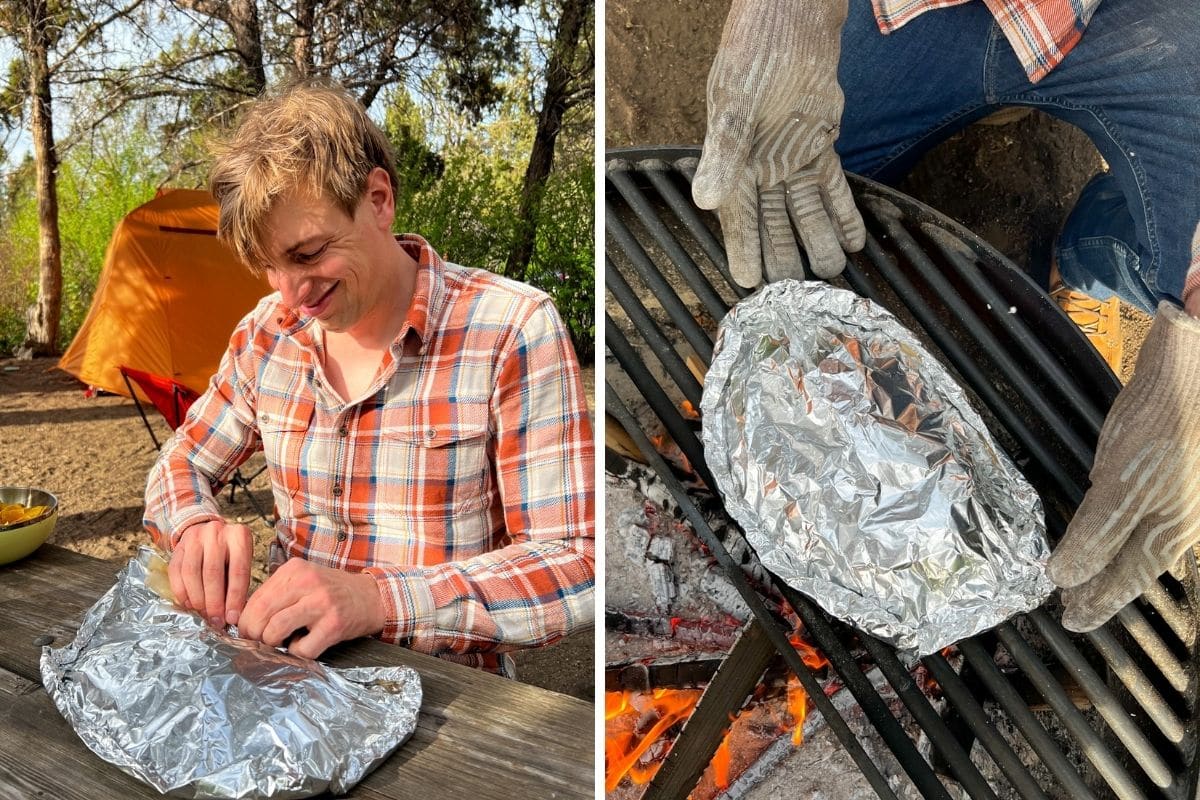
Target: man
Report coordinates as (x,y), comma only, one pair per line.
(1125,71)
(424,424)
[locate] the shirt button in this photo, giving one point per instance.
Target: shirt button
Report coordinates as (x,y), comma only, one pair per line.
(343,431)
(337,491)
(342,536)
(431,433)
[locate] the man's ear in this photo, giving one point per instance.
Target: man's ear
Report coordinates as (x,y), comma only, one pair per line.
(379,194)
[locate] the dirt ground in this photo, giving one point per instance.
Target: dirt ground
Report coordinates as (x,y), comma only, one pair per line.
(1011,183)
(94,455)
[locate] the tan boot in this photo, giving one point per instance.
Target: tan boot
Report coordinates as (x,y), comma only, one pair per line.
(1100,321)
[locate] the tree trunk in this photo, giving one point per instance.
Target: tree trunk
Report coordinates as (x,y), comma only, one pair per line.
(541,157)
(42,334)
(247,37)
(302,47)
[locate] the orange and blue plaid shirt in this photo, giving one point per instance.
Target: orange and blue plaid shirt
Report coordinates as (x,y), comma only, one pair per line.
(1041,32)
(462,479)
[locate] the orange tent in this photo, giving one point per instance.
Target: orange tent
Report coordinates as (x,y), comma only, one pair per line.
(168,298)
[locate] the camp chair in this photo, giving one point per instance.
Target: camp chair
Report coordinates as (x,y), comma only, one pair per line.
(172,400)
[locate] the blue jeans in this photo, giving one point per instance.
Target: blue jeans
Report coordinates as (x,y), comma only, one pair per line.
(1132,84)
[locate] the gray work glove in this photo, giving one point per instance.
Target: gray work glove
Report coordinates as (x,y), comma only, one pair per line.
(774,107)
(1142,512)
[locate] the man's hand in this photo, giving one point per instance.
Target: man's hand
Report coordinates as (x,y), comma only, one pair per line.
(774,107)
(1142,512)
(330,605)
(210,570)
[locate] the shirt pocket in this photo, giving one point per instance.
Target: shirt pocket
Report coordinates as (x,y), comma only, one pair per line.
(435,471)
(283,426)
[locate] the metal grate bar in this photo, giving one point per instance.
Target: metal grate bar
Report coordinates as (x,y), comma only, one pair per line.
(1056,426)
(695,335)
(1015,327)
(972,712)
(930,721)
(822,632)
(678,257)
(659,175)
(1138,684)
(828,711)
(657,399)
(1103,700)
(1179,618)
(658,343)
(1101,757)
(1153,645)
(1014,705)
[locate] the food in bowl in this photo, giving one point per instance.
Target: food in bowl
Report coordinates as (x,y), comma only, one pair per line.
(28,518)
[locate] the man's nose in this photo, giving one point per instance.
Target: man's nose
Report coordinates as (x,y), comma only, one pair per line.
(291,286)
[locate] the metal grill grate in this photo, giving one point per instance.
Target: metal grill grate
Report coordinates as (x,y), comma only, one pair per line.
(1046,393)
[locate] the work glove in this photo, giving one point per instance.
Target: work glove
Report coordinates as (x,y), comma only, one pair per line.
(774,107)
(1142,512)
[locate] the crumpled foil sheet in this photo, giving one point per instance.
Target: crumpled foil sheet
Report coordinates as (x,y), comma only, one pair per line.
(199,713)
(862,476)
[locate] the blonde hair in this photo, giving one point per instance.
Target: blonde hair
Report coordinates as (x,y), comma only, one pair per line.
(310,137)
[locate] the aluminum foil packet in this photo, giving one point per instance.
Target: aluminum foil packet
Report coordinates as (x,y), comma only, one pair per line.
(862,476)
(196,712)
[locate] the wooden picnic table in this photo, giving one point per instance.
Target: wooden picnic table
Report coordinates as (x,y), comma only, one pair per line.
(478,735)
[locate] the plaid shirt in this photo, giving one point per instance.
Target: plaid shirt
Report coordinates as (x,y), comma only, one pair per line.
(461,479)
(1041,32)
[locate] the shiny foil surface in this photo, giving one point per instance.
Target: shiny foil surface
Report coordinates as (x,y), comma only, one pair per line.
(862,476)
(197,712)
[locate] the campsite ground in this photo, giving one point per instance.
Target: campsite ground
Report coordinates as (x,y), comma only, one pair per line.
(94,455)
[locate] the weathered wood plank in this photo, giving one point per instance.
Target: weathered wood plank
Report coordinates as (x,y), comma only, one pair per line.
(476,732)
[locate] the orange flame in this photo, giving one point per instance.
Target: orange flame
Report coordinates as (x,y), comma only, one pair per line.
(720,762)
(689,410)
(623,749)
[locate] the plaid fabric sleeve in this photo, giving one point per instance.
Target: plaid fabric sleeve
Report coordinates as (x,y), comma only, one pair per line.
(215,438)
(540,585)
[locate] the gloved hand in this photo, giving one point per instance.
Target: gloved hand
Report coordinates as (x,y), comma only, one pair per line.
(1143,510)
(774,106)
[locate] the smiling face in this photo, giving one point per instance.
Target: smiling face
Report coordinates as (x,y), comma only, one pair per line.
(340,270)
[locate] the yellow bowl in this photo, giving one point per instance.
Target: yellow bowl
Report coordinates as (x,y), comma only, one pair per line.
(21,540)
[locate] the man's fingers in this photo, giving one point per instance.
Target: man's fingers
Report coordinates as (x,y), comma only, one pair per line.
(175,576)
(780,252)
(739,228)
(213,575)
(191,571)
(1092,603)
(1097,532)
(320,637)
(241,552)
(847,221)
(734,92)
(821,245)
(273,596)
(286,621)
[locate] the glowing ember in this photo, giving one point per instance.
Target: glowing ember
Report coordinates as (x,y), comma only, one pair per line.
(689,410)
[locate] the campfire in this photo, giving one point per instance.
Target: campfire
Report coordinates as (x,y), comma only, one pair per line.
(641,726)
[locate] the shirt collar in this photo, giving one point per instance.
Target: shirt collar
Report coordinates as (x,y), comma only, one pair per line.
(429,294)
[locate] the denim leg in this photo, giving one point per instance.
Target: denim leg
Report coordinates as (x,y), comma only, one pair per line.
(907,91)
(1132,84)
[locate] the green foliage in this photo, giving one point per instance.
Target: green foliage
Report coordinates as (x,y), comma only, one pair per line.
(469,211)
(97,186)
